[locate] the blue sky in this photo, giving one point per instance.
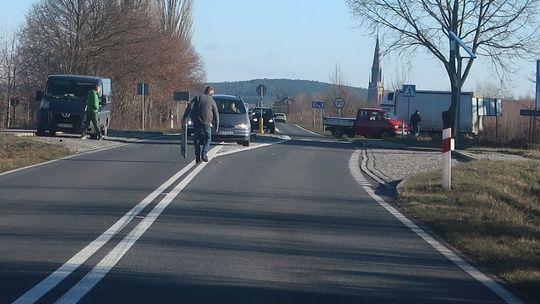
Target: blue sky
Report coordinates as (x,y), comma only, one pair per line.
(300,39)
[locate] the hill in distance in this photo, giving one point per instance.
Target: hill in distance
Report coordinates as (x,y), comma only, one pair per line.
(279,88)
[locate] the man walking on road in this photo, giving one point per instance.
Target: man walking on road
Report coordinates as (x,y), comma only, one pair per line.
(92,107)
(204,114)
(415,123)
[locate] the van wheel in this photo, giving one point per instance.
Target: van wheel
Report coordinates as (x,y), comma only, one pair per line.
(40,132)
(338,133)
(104,131)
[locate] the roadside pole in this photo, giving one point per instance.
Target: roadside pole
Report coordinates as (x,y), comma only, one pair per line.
(261,91)
(447,159)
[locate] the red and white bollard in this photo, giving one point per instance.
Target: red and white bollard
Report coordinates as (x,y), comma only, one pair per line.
(447,147)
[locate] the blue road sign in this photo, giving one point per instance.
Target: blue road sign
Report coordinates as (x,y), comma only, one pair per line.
(409,90)
(317,104)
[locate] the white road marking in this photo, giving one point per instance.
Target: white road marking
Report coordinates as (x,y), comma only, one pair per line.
(99,271)
(468,268)
(309,131)
(107,263)
(82,256)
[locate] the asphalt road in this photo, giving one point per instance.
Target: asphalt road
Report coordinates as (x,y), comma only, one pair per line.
(282,223)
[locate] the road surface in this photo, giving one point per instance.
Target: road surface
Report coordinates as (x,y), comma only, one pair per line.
(279,223)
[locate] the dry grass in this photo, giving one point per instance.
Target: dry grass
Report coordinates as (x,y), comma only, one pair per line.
(17,152)
(492,215)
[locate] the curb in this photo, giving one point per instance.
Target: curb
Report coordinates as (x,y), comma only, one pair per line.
(462,155)
(364,168)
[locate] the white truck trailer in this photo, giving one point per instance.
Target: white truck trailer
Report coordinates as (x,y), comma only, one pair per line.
(431,104)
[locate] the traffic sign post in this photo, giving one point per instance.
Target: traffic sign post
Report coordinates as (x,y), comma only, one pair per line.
(339,103)
(538,84)
(409,90)
(317,105)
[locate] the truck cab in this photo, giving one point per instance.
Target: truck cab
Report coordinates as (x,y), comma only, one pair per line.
(377,123)
(63,104)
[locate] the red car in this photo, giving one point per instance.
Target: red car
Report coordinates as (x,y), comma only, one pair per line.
(369,122)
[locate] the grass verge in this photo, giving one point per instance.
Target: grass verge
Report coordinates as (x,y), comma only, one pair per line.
(17,152)
(492,215)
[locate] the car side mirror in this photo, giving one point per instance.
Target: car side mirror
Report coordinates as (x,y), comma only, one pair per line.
(39,95)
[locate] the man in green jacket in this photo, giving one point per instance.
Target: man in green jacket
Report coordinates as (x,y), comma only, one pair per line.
(92,107)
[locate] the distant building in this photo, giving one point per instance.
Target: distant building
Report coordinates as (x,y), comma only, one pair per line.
(376,87)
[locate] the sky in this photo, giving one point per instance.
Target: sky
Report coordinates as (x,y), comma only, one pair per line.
(301,39)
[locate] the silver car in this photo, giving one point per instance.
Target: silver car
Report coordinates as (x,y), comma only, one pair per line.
(234,124)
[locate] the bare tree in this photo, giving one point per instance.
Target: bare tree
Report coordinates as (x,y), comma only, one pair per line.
(127,40)
(501,30)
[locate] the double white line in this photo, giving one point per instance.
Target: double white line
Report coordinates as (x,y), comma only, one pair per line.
(107,263)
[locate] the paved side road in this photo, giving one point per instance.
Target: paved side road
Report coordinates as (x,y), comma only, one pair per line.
(392,163)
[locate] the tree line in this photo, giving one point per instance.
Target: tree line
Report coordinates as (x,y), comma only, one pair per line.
(129,41)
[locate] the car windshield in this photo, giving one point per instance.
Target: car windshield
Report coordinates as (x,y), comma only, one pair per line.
(69,88)
(266,112)
(389,115)
(230,106)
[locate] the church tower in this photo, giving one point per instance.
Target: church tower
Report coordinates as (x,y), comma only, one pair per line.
(376,88)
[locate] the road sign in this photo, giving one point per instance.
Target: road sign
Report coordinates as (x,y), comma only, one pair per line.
(339,103)
(317,104)
(288,101)
(181,96)
(142,88)
(409,90)
(261,90)
(538,84)
(527,112)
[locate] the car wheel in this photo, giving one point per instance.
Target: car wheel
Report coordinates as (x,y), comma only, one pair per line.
(244,143)
(386,135)
(338,133)
(351,134)
(273,130)
(52,133)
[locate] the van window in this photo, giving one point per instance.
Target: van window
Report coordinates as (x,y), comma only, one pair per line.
(69,88)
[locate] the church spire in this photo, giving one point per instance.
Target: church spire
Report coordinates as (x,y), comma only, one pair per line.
(376,88)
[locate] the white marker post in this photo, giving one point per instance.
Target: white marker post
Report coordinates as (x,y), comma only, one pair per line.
(447,159)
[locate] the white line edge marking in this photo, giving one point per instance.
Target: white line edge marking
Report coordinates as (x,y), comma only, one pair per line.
(308,130)
(108,262)
(468,268)
(79,258)
(65,270)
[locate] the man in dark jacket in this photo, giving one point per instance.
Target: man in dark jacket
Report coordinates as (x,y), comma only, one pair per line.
(415,123)
(92,107)
(204,114)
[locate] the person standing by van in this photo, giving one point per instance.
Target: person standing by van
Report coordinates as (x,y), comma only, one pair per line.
(204,113)
(92,107)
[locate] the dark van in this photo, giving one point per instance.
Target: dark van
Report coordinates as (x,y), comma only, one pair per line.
(63,104)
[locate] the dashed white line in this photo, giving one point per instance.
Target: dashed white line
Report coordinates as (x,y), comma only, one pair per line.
(468,268)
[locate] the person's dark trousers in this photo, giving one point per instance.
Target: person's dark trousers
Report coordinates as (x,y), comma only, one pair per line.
(91,116)
(202,137)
